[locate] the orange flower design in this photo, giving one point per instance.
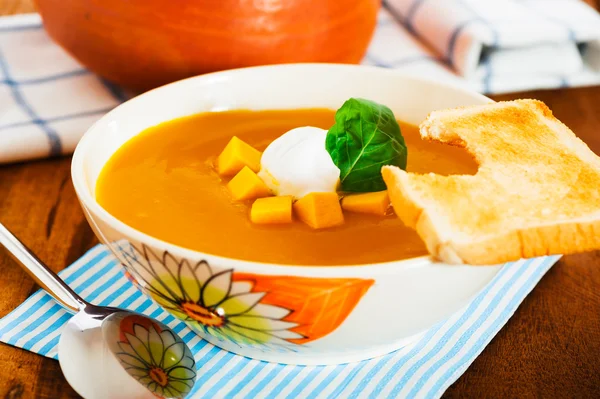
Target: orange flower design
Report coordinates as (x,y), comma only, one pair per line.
(268,312)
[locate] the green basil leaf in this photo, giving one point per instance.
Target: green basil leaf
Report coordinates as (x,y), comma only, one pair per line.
(365,137)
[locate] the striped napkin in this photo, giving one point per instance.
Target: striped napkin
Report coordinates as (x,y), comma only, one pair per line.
(48,100)
(423,369)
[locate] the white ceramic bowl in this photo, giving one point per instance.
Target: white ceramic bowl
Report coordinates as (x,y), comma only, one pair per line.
(287,314)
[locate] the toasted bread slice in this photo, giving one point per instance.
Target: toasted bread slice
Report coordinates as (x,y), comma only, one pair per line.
(537,190)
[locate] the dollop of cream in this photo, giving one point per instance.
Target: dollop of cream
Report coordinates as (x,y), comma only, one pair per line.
(297,164)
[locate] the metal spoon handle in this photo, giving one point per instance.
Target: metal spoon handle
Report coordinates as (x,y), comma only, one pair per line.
(41,273)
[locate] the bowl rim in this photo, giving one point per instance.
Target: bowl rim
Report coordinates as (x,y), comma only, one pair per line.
(89,202)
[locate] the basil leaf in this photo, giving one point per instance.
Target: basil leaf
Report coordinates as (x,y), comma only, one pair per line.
(365,137)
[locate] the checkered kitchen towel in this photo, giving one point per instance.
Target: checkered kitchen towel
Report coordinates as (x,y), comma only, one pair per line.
(423,369)
(47,100)
(509,45)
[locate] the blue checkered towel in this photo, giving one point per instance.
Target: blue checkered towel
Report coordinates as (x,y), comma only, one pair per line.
(47,100)
(423,369)
(500,46)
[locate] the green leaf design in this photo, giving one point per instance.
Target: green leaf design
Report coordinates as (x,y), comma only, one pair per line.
(365,137)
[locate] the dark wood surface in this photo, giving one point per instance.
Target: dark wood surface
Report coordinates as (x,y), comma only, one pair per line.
(550,348)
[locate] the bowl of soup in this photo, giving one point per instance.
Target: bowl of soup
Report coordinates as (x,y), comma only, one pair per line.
(289,293)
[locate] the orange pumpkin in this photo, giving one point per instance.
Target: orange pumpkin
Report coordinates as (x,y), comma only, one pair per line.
(142,44)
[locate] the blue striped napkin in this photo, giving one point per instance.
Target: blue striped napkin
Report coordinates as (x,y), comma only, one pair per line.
(423,369)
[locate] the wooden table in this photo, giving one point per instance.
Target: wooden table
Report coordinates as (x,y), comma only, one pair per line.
(550,347)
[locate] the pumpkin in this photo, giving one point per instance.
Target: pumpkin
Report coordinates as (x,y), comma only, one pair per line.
(142,44)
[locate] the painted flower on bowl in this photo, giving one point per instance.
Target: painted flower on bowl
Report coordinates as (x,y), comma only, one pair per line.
(266,312)
(213,303)
(155,357)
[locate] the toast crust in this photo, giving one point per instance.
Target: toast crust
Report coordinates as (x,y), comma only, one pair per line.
(536,192)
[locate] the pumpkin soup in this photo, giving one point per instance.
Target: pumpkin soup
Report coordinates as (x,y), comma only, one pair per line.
(165,183)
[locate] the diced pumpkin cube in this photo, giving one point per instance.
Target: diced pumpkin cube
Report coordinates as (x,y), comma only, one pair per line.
(247,185)
(319,210)
(376,203)
(272,210)
(235,156)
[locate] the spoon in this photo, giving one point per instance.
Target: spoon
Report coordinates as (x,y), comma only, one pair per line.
(106,352)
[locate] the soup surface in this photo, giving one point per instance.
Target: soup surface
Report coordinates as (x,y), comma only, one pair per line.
(162,183)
